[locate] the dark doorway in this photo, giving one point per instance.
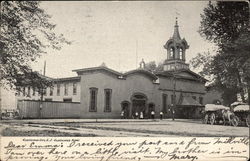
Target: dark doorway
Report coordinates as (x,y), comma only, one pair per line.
(125,109)
(138,104)
(151,107)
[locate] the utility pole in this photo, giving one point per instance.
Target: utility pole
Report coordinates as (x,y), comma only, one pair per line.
(174,95)
(136,59)
(41,103)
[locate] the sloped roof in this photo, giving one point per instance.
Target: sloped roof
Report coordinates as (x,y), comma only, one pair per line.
(67,79)
(99,68)
(188,101)
(242,108)
(213,107)
(142,71)
(177,74)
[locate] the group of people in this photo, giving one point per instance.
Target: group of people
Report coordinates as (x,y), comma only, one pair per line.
(140,115)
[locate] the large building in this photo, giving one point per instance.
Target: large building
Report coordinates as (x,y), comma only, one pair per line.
(105,93)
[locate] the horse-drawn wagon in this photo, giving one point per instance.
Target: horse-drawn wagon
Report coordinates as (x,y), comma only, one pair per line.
(242,112)
(214,114)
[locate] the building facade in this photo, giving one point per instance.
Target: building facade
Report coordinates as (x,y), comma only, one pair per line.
(105,93)
(62,90)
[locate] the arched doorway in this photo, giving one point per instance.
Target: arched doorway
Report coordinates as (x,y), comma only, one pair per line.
(125,108)
(138,104)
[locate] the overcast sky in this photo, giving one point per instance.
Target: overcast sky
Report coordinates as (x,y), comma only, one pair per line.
(108,31)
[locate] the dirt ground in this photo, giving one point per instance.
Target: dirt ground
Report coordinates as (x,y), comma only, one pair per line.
(116,128)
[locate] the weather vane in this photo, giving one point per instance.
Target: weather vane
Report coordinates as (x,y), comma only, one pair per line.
(176,13)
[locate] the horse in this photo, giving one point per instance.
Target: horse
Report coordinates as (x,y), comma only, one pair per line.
(229,116)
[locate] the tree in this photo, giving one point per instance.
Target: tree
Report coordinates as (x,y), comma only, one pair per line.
(152,67)
(26,31)
(227,25)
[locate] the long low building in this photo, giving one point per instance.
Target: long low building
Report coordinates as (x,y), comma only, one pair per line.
(106,93)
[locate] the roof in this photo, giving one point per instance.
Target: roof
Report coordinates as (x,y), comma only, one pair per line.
(176,34)
(99,68)
(237,103)
(44,77)
(104,68)
(177,75)
(188,101)
(213,107)
(67,79)
(176,38)
(142,71)
(242,108)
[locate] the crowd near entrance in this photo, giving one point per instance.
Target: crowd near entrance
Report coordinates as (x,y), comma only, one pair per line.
(138,105)
(138,108)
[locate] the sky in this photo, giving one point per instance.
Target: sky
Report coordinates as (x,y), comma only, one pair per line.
(119,34)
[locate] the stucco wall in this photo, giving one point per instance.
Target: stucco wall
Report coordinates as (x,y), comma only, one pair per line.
(184,85)
(122,90)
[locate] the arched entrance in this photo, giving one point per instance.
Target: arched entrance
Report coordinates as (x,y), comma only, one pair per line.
(138,104)
(125,109)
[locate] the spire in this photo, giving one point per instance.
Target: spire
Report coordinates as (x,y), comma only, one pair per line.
(176,34)
(142,64)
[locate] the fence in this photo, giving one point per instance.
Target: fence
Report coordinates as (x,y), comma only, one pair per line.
(31,109)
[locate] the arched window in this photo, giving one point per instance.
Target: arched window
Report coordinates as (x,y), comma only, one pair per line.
(181,53)
(172,52)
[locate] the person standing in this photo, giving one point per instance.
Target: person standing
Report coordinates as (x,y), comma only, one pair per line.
(136,115)
(122,115)
(152,114)
(161,115)
(141,115)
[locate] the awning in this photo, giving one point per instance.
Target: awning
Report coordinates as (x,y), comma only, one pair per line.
(213,107)
(188,101)
(242,108)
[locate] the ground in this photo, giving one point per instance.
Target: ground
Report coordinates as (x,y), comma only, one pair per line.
(117,128)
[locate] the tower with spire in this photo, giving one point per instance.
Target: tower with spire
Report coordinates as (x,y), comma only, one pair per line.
(176,51)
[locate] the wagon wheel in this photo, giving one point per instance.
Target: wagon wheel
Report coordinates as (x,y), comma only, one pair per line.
(238,119)
(235,121)
(248,120)
(205,120)
(212,118)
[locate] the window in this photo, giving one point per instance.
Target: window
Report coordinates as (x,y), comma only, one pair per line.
(28,91)
(172,53)
(181,53)
(172,99)
(201,100)
(67,100)
(164,102)
(34,91)
(65,89)
(51,91)
(194,97)
(74,88)
(23,91)
(48,99)
(93,99)
(58,89)
(108,93)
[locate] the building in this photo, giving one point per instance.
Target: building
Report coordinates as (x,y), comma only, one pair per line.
(105,93)
(63,89)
